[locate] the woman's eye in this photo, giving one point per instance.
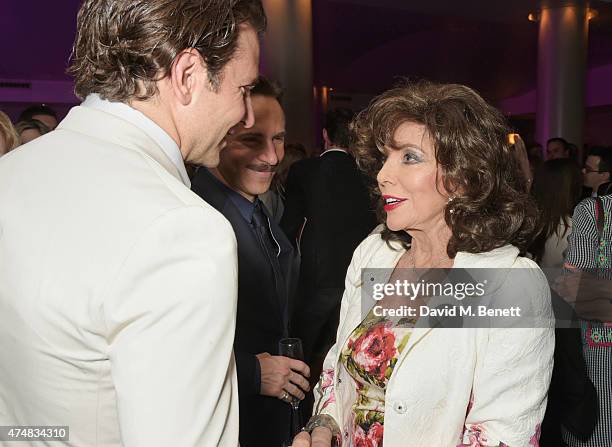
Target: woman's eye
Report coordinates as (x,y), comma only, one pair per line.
(410,157)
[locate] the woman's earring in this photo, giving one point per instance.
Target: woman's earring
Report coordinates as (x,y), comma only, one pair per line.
(449,203)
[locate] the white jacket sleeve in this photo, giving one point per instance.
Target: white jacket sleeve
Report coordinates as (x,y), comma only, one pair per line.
(511,379)
(170,317)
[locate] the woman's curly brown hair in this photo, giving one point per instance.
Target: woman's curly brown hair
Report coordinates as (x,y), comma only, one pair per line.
(490,207)
(123,47)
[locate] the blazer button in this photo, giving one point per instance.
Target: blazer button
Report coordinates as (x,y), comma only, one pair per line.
(399,407)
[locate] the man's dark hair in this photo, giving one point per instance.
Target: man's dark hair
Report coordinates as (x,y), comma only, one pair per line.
(123,47)
(265,87)
(32,111)
(605,158)
(337,122)
(563,141)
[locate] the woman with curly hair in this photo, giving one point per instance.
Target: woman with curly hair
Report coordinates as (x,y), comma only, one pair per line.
(452,197)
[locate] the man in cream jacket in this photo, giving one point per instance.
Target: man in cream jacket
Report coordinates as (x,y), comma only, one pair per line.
(117,283)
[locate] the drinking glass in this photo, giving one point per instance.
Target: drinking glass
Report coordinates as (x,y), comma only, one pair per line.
(292,348)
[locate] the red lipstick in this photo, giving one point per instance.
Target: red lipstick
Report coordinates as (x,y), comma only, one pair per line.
(392,202)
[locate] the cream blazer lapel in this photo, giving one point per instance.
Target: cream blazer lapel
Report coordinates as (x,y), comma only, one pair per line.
(107,127)
(387,258)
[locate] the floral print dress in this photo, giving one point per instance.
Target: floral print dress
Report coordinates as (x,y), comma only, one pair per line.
(369,356)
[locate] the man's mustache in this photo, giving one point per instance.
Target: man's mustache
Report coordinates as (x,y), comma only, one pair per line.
(263,167)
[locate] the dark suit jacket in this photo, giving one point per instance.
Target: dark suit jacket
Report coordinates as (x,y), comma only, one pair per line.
(330,193)
(327,208)
(262,318)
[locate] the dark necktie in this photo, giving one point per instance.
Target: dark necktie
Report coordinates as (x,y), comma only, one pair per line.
(269,246)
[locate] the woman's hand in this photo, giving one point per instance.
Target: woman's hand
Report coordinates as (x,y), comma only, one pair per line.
(321,437)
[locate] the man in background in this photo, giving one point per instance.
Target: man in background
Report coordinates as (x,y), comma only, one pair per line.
(557,148)
(327,213)
(42,113)
(118,284)
(268,269)
(596,171)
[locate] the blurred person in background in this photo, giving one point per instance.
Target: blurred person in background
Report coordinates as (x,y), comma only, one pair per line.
(328,212)
(557,148)
(597,171)
(31,129)
(9,138)
(586,285)
(42,113)
(557,188)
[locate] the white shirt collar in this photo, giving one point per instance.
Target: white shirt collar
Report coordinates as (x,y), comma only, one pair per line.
(333,149)
(144,123)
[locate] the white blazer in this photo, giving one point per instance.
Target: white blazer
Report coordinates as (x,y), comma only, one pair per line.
(117,292)
(450,387)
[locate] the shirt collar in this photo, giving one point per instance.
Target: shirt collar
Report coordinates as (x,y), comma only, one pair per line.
(144,123)
(333,149)
(244,205)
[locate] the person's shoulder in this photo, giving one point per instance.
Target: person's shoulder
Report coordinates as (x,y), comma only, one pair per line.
(373,241)
(305,164)
(587,206)
(337,157)
(375,250)
(301,170)
(607,202)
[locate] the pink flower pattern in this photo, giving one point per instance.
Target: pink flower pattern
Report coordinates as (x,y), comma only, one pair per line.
(535,439)
(374,350)
(369,356)
(373,437)
(477,436)
(326,389)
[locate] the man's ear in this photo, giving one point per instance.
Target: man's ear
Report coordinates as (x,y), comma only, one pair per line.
(186,74)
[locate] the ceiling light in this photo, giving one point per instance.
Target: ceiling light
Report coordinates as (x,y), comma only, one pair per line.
(592,13)
(533,17)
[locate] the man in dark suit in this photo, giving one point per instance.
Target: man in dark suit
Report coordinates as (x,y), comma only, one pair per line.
(328,212)
(267,270)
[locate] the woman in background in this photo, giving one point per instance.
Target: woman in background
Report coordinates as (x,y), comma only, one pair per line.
(9,139)
(557,189)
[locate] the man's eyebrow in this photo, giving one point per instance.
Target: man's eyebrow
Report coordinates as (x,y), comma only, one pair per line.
(250,135)
(280,134)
